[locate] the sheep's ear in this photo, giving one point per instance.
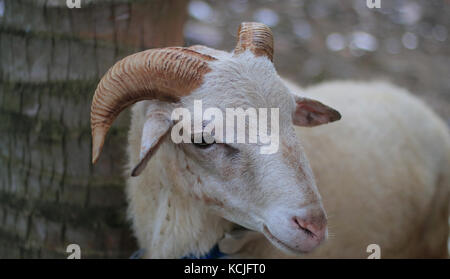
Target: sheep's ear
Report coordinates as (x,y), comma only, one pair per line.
(309,113)
(156,128)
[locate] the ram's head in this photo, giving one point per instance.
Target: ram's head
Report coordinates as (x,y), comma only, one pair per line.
(271,192)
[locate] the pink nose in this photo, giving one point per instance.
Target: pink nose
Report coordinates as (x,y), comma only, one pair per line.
(314,228)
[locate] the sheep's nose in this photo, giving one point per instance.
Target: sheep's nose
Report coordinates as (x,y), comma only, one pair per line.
(313,227)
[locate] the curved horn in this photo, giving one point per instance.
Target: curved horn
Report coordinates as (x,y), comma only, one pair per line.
(209,51)
(256,37)
(165,74)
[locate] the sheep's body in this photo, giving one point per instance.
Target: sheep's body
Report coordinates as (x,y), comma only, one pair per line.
(383,172)
(385,167)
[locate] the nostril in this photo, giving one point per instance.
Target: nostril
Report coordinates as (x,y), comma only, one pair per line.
(303,227)
(312,230)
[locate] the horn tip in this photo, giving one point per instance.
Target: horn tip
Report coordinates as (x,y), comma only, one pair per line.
(95,155)
(98,139)
(94,159)
(257,37)
(253,24)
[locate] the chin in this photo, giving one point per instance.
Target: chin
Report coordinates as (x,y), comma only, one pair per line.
(299,248)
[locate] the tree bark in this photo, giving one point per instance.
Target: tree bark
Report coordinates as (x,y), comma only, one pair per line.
(51,59)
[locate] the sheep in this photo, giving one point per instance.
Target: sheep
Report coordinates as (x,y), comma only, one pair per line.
(381,173)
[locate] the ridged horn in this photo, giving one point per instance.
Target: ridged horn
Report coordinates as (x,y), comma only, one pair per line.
(166,74)
(256,37)
(209,51)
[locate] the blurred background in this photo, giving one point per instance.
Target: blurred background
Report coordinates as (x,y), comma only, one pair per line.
(52,56)
(405,41)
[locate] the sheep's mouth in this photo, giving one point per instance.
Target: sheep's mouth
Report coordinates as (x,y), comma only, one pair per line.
(278,243)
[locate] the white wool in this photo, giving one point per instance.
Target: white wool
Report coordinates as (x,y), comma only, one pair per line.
(160,216)
(382,171)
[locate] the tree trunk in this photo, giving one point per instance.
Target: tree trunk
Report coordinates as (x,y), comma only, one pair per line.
(51,59)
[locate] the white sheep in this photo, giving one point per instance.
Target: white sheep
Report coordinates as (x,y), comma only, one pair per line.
(382,171)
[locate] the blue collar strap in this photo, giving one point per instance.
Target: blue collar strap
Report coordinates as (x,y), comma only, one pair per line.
(214,253)
(137,254)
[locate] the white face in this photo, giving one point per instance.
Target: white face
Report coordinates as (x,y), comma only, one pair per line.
(274,194)
(271,193)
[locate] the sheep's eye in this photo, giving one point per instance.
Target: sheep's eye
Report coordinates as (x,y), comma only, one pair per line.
(204,144)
